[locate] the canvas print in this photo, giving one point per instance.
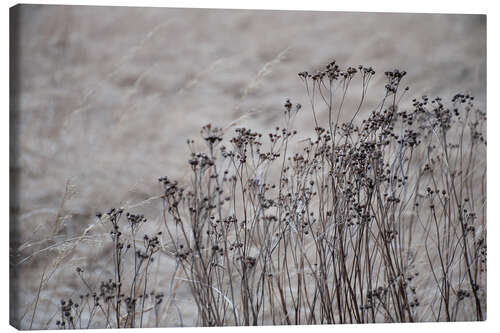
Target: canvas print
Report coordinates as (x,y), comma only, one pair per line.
(176,167)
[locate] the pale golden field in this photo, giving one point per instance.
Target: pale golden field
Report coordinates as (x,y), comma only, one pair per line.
(107,97)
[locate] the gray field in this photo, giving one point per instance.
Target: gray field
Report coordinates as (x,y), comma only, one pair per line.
(108,96)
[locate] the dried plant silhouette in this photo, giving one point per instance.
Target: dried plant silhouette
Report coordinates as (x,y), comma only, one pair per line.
(380,219)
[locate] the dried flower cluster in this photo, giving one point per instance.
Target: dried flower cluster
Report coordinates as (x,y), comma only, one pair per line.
(378,220)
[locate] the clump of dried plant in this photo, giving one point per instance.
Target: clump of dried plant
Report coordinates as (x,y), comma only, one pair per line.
(378,220)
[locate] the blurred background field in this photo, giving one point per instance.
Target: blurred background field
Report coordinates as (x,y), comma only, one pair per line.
(107,96)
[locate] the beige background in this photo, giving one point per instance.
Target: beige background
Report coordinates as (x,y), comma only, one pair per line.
(108,97)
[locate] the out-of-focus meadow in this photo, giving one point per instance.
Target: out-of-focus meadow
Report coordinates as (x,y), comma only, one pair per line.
(107,96)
